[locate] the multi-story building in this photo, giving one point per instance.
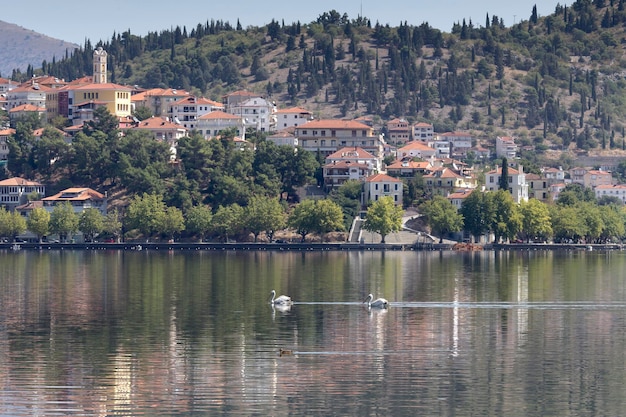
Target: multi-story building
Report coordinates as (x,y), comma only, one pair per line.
(518,187)
(594,178)
(349,164)
(162,129)
(187,110)
(292,117)
(4,148)
(79,198)
(23,111)
(506,147)
(457,198)
(326,136)
(444,180)
(408,169)
(211,124)
(459,142)
(284,137)
(424,132)
(6,85)
(31,93)
(256,112)
(16,191)
(398,132)
(538,187)
(381,185)
(417,149)
(158,100)
(87,98)
(610,190)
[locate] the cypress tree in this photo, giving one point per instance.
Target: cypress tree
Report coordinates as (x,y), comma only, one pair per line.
(503,184)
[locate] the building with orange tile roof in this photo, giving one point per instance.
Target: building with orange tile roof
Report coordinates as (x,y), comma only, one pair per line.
(328,135)
(211,124)
(594,178)
(611,190)
(4,148)
(349,164)
(458,197)
(506,147)
(408,169)
(416,149)
(292,117)
(424,132)
(187,110)
(6,85)
(444,180)
(15,191)
(398,131)
(518,187)
(158,100)
(28,93)
(79,198)
(162,129)
(382,185)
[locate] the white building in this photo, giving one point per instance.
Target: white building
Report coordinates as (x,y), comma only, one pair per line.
(329,135)
(506,147)
(292,117)
(79,198)
(31,93)
(424,132)
(256,112)
(459,142)
(618,191)
(15,191)
(211,124)
(518,187)
(349,164)
(382,185)
(187,110)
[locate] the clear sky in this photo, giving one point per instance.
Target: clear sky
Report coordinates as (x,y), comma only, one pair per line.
(75,21)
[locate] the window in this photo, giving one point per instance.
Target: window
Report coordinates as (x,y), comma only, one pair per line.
(491,179)
(354,133)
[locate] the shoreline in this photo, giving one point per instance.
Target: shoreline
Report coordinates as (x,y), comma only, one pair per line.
(302,247)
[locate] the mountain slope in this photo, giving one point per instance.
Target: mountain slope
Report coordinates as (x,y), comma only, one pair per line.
(20,47)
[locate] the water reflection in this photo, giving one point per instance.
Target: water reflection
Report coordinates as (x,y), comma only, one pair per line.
(147,333)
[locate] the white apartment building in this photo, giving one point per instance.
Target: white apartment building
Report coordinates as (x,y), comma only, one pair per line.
(187,110)
(292,117)
(256,112)
(518,187)
(506,147)
(329,135)
(424,132)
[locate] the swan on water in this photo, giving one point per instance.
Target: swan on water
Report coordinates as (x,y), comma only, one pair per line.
(377,303)
(282,300)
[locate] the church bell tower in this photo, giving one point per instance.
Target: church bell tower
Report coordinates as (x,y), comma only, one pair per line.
(99,66)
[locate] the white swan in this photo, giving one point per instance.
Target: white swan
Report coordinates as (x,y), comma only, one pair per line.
(377,303)
(282,300)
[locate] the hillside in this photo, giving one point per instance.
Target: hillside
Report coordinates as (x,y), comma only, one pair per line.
(20,47)
(554,82)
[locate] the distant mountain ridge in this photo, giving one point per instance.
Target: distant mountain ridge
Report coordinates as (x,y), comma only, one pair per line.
(20,47)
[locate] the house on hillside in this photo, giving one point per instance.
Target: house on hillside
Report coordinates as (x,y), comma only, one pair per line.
(381,185)
(292,117)
(349,164)
(518,187)
(416,149)
(211,124)
(506,147)
(424,132)
(162,129)
(327,136)
(80,199)
(187,110)
(398,132)
(15,191)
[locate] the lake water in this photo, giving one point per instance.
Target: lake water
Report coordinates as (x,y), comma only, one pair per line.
(101,333)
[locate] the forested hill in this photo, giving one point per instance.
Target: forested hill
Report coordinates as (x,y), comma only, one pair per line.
(554,81)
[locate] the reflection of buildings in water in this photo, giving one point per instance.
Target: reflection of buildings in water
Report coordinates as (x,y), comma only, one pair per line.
(521,283)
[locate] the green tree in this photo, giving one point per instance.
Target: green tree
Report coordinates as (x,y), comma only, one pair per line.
(63,221)
(613,219)
(264,214)
(198,220)
(536,221)
(303,218)
(227,220)
(329,217)
(38,222)
(172,222)
(442,216)
(503,183)
(11,223)
(142,113)
(112,224)
(348,197)
(145,213)
(383,217)
(476,212)
(506,220)
(90,222)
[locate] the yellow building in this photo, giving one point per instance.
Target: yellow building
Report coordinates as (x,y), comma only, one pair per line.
(115,97)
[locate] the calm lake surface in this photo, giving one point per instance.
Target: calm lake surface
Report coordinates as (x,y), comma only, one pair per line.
(102,333)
